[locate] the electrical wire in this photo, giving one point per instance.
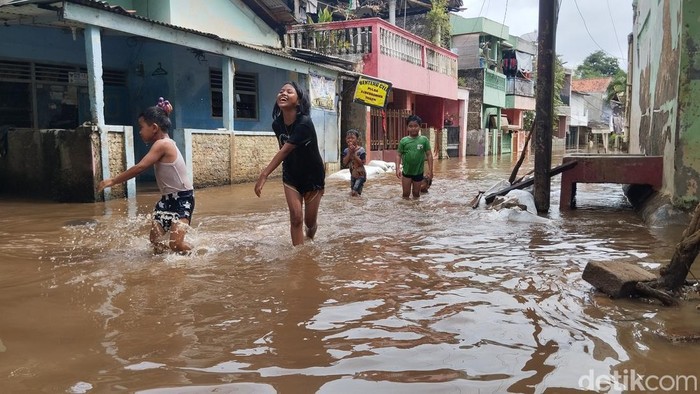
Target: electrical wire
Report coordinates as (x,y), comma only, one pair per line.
(504,18)
(617,37)
(482,7)
(589,32)
(478,16)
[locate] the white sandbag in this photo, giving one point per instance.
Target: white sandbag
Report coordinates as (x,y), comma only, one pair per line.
(344,174)
(524,198)
(386,166)
(516,215)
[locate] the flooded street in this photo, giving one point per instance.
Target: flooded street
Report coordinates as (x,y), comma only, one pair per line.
(393,295)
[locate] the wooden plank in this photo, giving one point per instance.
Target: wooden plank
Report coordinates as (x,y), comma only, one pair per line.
(529,182)
(614,278)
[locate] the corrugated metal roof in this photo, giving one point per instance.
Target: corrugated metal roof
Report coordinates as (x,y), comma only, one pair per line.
(18,9)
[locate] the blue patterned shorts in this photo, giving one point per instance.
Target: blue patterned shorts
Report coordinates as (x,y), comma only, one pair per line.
(173,207)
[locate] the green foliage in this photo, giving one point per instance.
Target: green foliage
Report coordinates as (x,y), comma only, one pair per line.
(325,16)
(617,88)
(598,64)
(328,41)
(528,119)
(439,23)
(462,82)
(686,203)
(559,75)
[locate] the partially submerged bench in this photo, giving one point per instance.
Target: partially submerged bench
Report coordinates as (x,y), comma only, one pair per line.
(623,169)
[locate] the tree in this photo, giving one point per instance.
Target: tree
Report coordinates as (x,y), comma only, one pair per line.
(559,75)
(598,64)
(617,88)
(439,23)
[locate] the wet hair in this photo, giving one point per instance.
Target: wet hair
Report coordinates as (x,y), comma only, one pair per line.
(303,103)
(414,118)
(156,115)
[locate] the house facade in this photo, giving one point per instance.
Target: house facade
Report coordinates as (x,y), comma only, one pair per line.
(92,64)
(497,69)
(664,110)
(578,134)
(600,115)
(423,78)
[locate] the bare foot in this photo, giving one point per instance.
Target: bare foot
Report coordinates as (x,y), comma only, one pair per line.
(311,231)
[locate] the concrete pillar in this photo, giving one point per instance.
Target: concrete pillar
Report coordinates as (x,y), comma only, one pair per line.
(392,12)
(228,74)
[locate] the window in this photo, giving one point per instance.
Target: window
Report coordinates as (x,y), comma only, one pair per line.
(217,99)
(58,91)
(245,93)
(15,94)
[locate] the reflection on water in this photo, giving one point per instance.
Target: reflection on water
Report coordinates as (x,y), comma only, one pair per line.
(393,296)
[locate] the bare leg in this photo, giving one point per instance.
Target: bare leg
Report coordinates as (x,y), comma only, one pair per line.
(157,232)
(406,186)
(312,201)
(416,189)
(296,217)
(177,236)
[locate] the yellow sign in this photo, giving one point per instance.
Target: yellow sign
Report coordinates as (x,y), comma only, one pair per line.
(372,92)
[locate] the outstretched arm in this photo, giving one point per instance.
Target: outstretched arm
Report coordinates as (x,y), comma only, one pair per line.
(274,163)
(152,157)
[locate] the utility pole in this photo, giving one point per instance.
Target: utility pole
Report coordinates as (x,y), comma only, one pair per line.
(546,40)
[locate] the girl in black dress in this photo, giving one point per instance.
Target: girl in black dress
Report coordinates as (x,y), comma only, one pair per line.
(303,172)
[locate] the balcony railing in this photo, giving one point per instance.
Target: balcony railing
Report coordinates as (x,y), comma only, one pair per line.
(331,40)
(395,45)
(347,39)
(494,80)
(520,87)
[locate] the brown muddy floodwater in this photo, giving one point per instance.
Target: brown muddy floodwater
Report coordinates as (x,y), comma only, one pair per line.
(394,296)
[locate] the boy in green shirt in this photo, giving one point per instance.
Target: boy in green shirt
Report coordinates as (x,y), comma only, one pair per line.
(413,150)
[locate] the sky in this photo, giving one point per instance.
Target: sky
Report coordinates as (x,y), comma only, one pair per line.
(584,26)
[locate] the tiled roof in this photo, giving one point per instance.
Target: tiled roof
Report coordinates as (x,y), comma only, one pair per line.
(591,85)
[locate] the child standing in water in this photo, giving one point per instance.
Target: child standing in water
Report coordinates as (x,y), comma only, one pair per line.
(413,151)
(303,172)
(173,212)
(354,157)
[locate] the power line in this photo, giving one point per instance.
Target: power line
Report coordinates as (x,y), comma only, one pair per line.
(504,18)
(617,38)
(478,16)
(590,35)
(482,8)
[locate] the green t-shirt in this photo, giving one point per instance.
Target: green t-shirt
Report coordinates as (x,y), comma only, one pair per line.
(412,151)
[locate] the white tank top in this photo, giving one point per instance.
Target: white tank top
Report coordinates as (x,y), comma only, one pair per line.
(172,177)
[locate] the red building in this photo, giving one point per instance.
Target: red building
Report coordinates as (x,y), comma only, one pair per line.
(423,77)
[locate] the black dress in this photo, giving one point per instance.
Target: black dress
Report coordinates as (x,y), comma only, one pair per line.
(303,168)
